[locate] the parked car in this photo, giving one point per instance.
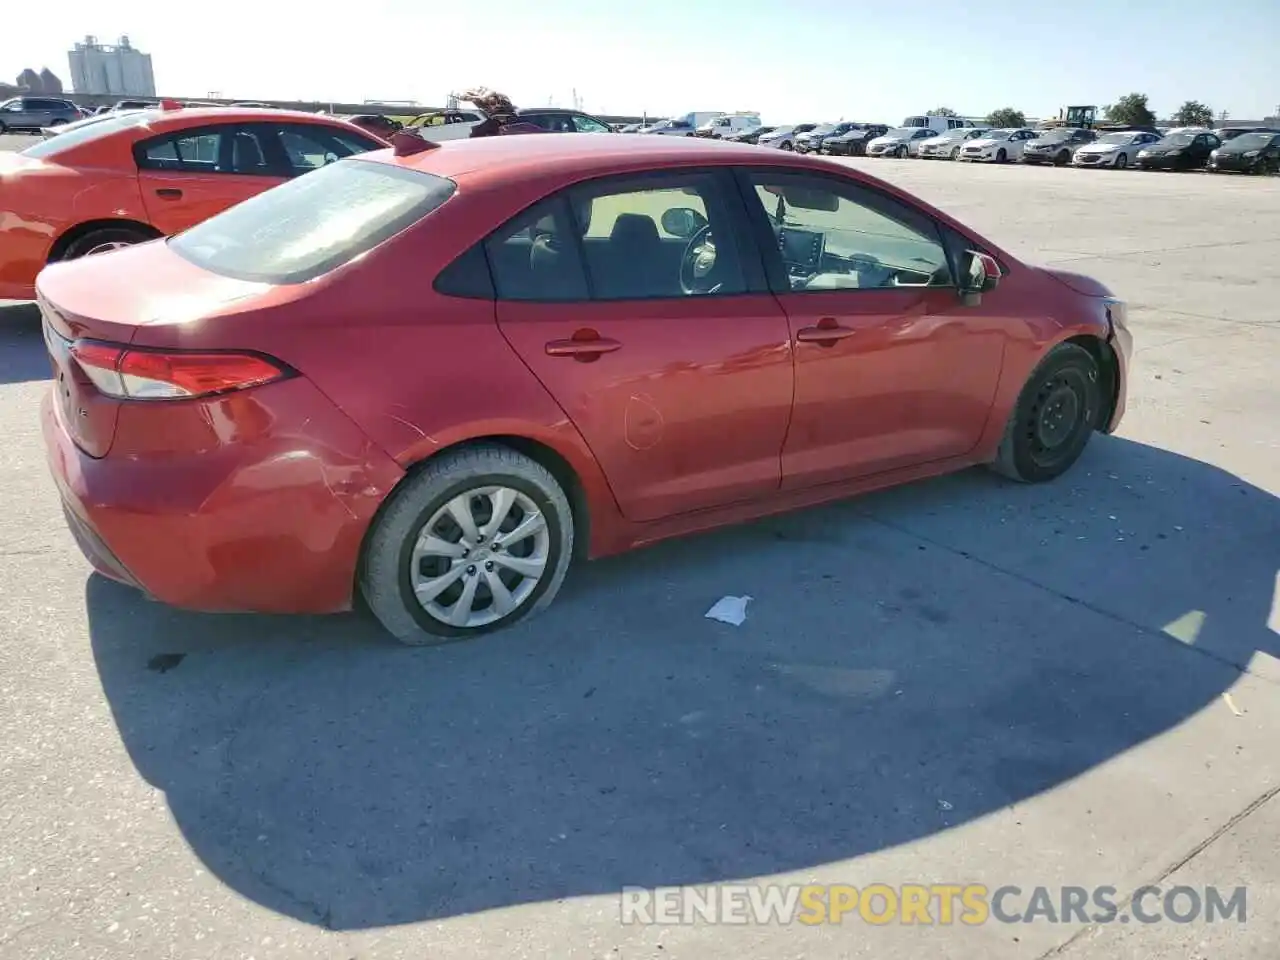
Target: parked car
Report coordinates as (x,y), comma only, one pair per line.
(750,136)
(1248,153)
(1180,151)
(65,128)
(811,140)
(853,142)
(683,126)
(1056,146)
(1230,133)
(997,146)
(902,142)
(720,128)
(219,434)
(1117,149)
(137,175)
(815,140)
(376,123)
(946,145)
(556,120)
(32,114)
(784,138)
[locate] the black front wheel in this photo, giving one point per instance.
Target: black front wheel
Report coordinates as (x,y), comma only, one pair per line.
(1056,413)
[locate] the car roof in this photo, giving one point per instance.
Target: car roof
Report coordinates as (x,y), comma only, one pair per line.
(574,156)
(164,119)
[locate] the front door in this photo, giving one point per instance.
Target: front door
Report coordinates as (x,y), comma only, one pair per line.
(891,370)
(633,305)
(187,177)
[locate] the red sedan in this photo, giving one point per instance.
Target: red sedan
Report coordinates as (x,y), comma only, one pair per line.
(436,374)
(127,177)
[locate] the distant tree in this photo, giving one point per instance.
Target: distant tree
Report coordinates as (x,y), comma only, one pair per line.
(1193,113)
(1131,109)
(943,112)
(1007,117)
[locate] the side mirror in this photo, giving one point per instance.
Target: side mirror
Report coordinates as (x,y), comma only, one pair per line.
(981,275)
(683,222)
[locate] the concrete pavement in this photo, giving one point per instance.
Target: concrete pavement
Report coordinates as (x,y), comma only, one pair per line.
(956,681)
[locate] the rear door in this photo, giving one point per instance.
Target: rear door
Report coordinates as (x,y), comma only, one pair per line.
(891,370)
(189,176)
(669,355)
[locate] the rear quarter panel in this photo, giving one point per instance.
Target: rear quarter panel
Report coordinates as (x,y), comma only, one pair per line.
(417,371)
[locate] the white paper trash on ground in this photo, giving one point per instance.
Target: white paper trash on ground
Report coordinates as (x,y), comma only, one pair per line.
(730,610)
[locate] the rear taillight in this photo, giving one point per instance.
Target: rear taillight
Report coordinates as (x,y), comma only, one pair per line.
(139,374)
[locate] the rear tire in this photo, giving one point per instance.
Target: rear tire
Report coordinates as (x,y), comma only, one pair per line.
(103,240)
(1055,415)
(394,567)
(3,128)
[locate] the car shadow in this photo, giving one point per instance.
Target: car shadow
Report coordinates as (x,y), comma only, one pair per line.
(910,661)
(22,351)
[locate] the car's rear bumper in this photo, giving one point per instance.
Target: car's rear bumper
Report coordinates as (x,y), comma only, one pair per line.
(269,524)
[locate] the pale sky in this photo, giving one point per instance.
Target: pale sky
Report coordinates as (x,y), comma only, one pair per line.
(802,60)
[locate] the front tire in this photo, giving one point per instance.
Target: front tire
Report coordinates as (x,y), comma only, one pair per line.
(104,240)
(955,153)
(786,145)
(1122,161)
(1055,415)
(1001,156)
(475,541)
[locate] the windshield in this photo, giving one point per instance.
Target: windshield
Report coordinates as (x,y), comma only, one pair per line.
(313,224)
(80,135)
(956,134)
(1178,140)
(1002,134)
(902,133)
(1251,141)
(1054,136)
(825,128)
(1117,138)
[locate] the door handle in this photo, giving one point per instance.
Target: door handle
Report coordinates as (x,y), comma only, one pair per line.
(583,349)
(169,193)
(828,331)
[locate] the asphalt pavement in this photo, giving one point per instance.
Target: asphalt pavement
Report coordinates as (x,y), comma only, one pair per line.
(957,681)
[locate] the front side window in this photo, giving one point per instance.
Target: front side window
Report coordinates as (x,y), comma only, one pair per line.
(223,149)
(585,124)
(834,235)
(314,224)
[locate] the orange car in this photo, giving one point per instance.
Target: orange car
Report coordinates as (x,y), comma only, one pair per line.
(142,175)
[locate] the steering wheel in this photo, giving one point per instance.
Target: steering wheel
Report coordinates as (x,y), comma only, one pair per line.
(697,263)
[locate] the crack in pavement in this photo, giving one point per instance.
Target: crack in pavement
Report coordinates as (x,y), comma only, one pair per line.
(1199,848)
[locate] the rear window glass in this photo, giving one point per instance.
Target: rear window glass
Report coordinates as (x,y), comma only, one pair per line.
(313,224)
(78,136)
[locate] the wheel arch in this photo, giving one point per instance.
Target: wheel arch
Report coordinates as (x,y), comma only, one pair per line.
(542,453)
(1108,369)
(70,236)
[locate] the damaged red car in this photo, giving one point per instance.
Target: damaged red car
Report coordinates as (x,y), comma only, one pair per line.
(434,376)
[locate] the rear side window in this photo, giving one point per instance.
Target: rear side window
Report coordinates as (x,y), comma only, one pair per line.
(313,224)
(78,137)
